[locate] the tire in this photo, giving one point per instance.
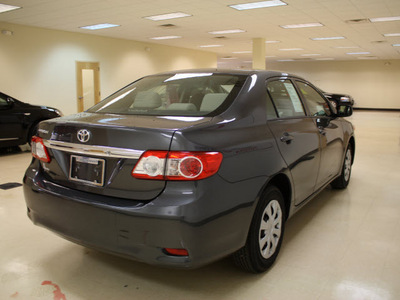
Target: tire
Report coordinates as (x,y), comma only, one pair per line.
(265,235)
(343,180)
(33,131)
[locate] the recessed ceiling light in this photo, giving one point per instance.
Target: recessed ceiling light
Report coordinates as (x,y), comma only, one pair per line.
(242,52)
(227,31)
(358,53)
(174,15)
(326,58)
(167,37)
(272,42)
(291,49)
(280,60)
(328,38)
(210,46)
(367,57)
(396,45)
(270,56)
(347,47)
(311,54)
(391,34)
(254,5)
(294,26)
(5,8)
(99,26)
(385,19)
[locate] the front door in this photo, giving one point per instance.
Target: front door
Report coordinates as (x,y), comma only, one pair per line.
(331,133)
(297,137)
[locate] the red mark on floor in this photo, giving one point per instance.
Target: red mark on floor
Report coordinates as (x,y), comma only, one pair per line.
(15,295)
(57,292)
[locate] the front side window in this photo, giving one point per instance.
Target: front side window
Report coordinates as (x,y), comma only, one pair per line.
(284,96)
(317,104)
(182,94)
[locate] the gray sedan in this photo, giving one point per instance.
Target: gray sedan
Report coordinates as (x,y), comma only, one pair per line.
(184,168)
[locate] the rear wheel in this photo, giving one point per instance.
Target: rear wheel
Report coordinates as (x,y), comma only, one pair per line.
(343,180)
(32,132)
(265,235)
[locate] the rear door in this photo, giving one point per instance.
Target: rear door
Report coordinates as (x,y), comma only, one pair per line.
(331,133)
(11,121)
(297,136)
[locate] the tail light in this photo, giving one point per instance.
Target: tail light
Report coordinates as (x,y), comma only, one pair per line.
(177,165)
(39,150)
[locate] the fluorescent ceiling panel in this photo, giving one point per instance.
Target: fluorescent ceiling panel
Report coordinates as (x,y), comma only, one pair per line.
(329,38)
(242,52)
(291,49)
(311,54)
(346,47)
(358,53)
(385,19)
(227,31)
(5,8)
(391,34)
(255,5)
(174,15)
(167,37)
(210,46)
(307,25)
(99,26)
(396,45)
(272,42)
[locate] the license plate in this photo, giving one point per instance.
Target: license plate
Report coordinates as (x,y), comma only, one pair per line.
(87,170)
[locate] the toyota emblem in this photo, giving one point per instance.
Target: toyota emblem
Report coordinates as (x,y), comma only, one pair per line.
(83,135)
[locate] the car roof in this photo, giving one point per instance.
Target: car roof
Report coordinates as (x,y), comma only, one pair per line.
(263,73)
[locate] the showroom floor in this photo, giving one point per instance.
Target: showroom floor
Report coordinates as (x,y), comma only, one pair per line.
(342,245)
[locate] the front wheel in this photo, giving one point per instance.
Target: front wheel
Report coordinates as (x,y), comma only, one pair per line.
(265,235)
(343,180)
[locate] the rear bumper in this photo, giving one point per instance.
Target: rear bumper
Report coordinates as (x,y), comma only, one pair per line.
(210,218)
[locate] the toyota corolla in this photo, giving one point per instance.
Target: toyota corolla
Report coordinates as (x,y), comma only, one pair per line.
(184,168)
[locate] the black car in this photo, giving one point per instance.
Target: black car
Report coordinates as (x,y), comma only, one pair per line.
(342,102)
(183,168)
(19,120)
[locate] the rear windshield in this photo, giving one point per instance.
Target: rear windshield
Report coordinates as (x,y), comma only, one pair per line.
(182,94)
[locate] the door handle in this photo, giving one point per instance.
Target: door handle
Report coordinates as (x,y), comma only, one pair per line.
(287,138)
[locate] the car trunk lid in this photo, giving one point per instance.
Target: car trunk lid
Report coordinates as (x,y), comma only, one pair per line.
(96,153)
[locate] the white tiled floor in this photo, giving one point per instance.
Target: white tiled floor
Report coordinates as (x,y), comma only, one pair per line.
(343,245)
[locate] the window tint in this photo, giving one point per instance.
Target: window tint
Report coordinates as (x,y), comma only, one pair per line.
(285,98)
(316,103)
(182,94)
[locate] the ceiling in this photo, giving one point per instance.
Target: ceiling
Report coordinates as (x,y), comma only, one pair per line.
(360,35)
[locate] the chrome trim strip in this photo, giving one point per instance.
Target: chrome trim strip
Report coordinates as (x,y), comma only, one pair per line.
(8,139)
(93,150)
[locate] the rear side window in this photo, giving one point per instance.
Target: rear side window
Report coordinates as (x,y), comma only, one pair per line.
(285,98)
(182,94)
(3,101)
(317,104)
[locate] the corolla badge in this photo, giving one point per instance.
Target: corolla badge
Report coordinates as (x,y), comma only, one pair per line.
(83,135)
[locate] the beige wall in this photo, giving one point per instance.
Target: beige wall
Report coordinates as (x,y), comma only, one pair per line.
(38,65)
(372,83)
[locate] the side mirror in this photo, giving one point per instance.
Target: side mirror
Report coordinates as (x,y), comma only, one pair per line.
(344,110)
(323,122)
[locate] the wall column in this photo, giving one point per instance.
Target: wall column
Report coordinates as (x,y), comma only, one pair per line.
(259,53)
